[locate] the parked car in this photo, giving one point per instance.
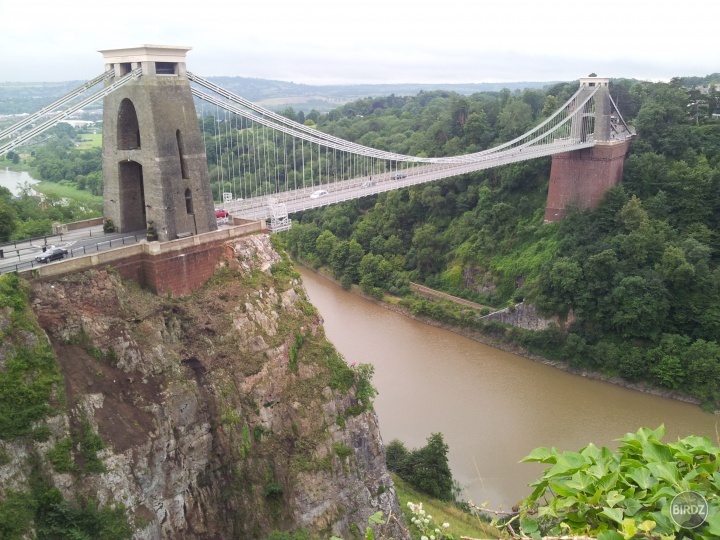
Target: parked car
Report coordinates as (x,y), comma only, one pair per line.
(220,213)
(319,193)
(51,255)
(398,176)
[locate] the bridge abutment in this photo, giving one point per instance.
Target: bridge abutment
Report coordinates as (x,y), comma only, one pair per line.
(581,178)
(154,164)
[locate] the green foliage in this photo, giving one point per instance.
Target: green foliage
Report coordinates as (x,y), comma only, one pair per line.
(293,535)
(61,456)
(245,442)
(625,493)
(30,372)
(426,468)
(90,443)
(46,511)
(87,443)
(396,458)
(273,490)
(5,458)
(366,392)
(28,217)
(462,523)
(342,451)
(56,518)
(642,266)
(16,515)
(293,351)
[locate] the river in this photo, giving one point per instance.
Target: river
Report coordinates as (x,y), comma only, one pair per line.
(492,407)
(13,180)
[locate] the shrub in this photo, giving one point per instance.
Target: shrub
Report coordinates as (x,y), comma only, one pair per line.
(426,468)
(616,495)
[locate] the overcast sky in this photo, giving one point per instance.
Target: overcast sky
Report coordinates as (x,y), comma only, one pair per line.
(372,41)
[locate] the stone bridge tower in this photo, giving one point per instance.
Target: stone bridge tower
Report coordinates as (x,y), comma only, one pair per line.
(580,178)
(154,164)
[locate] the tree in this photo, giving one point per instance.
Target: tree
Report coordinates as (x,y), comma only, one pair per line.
(430,470)
(396,458)
(324,245)
(426,468)
(641,307)
(514,120)
(427,249)
(8,223)
(560,285)
(662,121)
(352,263)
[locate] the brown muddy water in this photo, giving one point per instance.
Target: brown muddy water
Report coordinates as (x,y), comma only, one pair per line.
(492,407)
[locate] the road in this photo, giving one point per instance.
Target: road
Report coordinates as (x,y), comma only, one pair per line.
(21,255)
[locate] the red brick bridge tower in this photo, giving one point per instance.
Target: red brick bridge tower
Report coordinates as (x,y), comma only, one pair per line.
(580,178)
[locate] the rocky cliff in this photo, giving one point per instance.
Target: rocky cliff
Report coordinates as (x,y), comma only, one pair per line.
(222,414)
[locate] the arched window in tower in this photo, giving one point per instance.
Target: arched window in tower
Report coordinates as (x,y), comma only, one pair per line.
(128,129)
(181,151)
(188,201)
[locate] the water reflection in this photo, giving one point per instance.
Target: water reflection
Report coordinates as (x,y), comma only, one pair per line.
(15,180)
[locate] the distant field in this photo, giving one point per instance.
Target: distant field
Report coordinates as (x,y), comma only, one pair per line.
(89,140)
(67,192)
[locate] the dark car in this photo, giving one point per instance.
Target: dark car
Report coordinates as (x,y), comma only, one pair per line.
(51,255)
(399,176)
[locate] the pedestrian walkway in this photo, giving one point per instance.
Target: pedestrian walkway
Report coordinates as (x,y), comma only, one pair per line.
(432,294)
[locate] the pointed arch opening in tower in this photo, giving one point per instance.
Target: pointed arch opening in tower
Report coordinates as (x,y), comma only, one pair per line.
(128,129)
(133,215)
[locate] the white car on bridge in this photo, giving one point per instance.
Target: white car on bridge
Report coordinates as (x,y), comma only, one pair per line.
(319,193)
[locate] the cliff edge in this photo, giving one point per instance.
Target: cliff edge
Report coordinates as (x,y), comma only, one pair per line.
(222,414)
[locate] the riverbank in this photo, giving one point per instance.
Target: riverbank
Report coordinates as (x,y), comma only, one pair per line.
(497,341)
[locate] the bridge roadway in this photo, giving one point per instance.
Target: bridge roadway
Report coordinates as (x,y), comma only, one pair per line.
(20,255)
(345,190)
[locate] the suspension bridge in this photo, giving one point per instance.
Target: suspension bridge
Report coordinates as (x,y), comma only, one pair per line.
(154,154)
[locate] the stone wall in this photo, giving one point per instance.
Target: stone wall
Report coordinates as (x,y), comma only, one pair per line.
(177,268)
(62,228)
(523,316)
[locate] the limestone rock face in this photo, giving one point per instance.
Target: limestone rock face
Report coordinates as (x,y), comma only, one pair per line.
(223,414)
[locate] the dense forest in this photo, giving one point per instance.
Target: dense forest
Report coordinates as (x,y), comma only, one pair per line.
(637,279)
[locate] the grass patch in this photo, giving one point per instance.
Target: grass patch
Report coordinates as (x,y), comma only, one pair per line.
(86,141)
(68,192)
(461,523)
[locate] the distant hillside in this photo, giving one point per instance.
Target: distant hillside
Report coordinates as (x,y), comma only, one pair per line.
(281,94)
(19,97)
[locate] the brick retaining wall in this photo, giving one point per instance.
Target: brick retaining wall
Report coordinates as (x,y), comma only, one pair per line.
(177,267)
(582,177)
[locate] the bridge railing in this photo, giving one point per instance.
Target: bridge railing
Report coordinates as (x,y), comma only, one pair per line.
(76,252)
